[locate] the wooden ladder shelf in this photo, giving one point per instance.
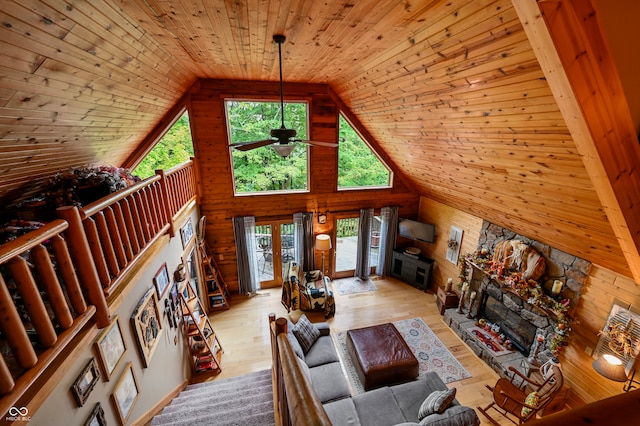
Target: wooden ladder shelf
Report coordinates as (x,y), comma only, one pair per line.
(205,350)
(217,290)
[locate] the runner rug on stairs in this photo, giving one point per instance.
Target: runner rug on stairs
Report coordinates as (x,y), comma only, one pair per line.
(245,400)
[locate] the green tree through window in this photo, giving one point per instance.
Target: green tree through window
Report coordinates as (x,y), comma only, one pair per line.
(175,147)
(262,169)
(358,166)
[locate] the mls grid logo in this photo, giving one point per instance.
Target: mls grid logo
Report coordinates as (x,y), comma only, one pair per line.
(18,414)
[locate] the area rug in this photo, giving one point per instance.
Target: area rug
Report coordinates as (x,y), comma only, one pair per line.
(431,353)
(488,341)
(353,285)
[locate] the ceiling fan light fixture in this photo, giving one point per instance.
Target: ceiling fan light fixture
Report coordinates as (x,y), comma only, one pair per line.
(283,150)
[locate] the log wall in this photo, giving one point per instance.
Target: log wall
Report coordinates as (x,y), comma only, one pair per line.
(218,203)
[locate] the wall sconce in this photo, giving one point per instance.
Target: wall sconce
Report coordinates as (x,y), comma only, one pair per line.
(322,218)
(323,244)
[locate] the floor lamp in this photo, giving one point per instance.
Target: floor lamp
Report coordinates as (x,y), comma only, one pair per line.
(323,244)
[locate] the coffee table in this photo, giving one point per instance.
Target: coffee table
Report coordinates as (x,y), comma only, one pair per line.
(381,356)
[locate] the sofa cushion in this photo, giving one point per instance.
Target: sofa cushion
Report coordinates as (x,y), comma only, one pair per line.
(295,345)
(329,382)
(306,333)
(410,396)
(342,412)
(456,415)
(436,402)
(322,352)
(378,407)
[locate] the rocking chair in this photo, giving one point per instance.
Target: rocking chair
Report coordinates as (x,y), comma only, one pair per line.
(513,399)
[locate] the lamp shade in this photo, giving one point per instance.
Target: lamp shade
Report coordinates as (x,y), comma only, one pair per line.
(283,150)
(323,242)
(610,367)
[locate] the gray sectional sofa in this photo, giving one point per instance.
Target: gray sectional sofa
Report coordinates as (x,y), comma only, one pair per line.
(386,406)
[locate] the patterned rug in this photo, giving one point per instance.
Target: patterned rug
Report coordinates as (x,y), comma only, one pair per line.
(431,353)
(353,285)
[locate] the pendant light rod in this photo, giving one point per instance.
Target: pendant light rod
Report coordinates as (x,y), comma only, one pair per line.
(279,38)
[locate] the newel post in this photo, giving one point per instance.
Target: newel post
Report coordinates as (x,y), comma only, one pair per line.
(85,266)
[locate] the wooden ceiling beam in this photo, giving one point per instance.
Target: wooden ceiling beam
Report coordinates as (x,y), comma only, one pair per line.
(576,61)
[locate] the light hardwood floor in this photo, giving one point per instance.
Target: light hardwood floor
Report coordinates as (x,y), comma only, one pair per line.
(244,332)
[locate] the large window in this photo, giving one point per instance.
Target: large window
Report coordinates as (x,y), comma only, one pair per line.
(358,166)
(262,170)
(175,147)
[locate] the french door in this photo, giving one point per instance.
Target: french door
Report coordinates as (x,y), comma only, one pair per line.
(274,251)
(346,244)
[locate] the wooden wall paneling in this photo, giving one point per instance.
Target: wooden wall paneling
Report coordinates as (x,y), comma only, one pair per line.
(444,217)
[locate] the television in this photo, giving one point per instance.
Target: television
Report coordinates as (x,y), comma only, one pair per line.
(415,230)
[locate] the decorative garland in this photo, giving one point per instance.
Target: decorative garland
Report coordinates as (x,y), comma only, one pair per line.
(529,290)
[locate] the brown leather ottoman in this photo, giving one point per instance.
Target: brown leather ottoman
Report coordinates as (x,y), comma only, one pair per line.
(381,356)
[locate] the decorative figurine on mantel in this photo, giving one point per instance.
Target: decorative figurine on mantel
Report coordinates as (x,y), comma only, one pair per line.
(465,287)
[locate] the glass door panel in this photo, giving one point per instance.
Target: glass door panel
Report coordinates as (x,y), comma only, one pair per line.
(346,246)
(264,252)
(287,248)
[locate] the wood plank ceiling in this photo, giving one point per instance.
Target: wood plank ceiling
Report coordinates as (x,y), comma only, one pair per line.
(450,89)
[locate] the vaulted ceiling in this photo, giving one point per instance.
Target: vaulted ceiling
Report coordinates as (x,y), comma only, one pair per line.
(452,90)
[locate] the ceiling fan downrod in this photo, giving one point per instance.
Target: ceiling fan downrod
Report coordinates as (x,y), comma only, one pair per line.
(280,38)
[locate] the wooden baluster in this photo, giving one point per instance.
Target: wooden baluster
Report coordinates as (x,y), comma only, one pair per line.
(130,225)
(6,379)
(123,232)
(150,213)
(65,266)
(32,301)
(47,274)
(115,238)
(81,254)
(157,208)
(106,244)
(93,237)
(140,219)
(14,331)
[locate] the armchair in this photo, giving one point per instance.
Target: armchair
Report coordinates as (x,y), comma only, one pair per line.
(307,291)
(523,400)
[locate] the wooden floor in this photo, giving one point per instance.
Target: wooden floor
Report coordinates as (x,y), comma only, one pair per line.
(244,333)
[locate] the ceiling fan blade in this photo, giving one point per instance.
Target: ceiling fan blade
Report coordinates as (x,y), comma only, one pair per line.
(318,143)
(247,146)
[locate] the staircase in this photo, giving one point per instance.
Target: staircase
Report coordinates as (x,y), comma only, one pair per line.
(245,400)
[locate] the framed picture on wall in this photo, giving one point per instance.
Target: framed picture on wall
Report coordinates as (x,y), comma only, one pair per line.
(187,233)
(85,382)
(110,348)
(161,280)
(96,418)
(125,394)
(147,325)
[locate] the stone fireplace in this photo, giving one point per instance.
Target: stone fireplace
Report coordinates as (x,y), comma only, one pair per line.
(520,321)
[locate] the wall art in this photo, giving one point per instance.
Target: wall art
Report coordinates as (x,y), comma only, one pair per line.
(96,418)
(147,325)
(125,394)
(187,233)
(85,382)
(110,348)
(161,280)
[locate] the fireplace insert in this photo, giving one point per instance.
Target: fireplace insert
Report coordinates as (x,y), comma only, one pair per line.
(520,331)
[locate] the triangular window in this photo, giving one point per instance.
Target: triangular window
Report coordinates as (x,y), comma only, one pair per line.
(358,165)
(174,148)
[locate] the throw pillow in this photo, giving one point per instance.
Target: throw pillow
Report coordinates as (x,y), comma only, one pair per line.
(436,402)
(306,333)
(533,400)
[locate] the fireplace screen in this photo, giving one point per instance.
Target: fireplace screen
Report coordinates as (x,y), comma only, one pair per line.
(520,331)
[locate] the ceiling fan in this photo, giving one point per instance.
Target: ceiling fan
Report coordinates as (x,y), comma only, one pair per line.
(282,140)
